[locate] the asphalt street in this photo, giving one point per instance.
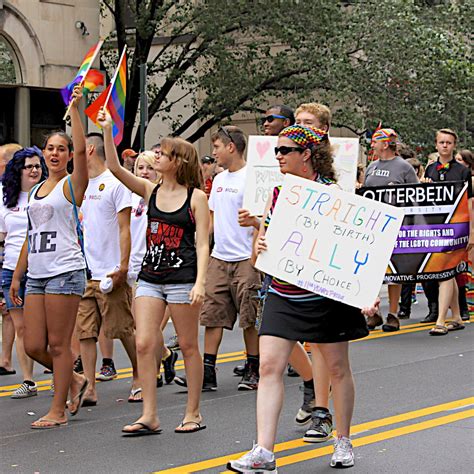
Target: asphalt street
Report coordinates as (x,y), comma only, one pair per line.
(414,413)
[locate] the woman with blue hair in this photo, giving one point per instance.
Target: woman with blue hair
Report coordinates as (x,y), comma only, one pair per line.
(25,170)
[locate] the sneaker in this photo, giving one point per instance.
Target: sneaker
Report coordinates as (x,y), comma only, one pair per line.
(403,314)
(239,370)
(291,372)
(343,455)
(159,381)
(173,343)
(107,372)
(209,383)
(78,368)
(392,324)
(321,426)
(168,366)
(250,378)
(25,390)
(253,461)
(465,315)
(374,321)
(304,413)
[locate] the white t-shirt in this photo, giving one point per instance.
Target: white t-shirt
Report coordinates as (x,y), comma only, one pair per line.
(233,243)
(14,222)
(138,224)
(105,196)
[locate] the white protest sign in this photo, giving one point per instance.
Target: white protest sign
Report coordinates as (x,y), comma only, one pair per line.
(346,155)
(263,173)
(263,170)
(330,242)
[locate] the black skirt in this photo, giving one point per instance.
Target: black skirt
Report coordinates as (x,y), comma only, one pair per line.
(322,320)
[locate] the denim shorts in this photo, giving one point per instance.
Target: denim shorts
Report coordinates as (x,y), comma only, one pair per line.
(6,283)
(173,293)
(69,283)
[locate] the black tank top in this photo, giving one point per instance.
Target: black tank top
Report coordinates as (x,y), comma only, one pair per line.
(170,244)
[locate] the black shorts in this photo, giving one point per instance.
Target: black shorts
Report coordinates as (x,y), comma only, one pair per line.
(319,321)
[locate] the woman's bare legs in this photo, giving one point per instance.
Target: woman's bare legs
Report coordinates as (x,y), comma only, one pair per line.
(448,296)
(336,356)
(186,322)
(301,362)
(8,338)
(26,363)
(274,355)
(149,312)
(322,380)
(49,323)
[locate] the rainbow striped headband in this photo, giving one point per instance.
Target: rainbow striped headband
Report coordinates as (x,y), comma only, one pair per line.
(304,136)
(385,135)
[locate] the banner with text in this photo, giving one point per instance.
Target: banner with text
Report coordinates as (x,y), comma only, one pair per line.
(432,240)
(330,242)
(263,170)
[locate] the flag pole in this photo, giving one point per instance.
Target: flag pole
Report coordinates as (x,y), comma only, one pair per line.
(114,78)
(96,52)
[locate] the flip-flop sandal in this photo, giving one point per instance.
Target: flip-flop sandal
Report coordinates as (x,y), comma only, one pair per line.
(455,326)
(4,371)
(439,331)
(79,398)
(51,424)
(89,403)
(133,394)
(145,430)
(197,427)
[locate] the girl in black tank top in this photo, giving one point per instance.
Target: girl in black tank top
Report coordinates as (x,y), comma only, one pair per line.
(173,271)
(171,250)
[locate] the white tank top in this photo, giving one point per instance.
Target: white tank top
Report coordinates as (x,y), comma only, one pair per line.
(53,246)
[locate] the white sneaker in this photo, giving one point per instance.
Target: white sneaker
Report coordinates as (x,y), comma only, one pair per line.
(25,390)
(253,462)
(343,455)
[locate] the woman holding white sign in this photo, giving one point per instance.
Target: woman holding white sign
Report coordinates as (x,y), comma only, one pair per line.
(291,314)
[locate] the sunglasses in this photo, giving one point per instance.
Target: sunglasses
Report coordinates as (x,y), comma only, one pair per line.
(284,150)
(226,133)
(271,118)
(30,167)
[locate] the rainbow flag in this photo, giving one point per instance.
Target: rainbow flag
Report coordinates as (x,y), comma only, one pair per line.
(93,110)
(115,101)
(83,73)
(93,80)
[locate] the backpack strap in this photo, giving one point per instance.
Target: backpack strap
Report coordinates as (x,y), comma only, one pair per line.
(80,233)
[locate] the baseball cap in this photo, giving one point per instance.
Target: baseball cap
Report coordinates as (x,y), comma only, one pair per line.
(129,153)
(207,159)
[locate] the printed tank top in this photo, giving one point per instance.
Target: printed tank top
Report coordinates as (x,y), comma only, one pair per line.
(53,245)
(170,244)
(280,287)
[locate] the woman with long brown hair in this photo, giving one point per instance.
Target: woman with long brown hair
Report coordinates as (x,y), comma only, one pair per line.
(173,272)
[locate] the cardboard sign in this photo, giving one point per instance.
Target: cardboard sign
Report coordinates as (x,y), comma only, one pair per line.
(431,243)
(263,170)
(263,173)
(330,242)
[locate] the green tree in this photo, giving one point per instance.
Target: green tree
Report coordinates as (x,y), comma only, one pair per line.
(403,62)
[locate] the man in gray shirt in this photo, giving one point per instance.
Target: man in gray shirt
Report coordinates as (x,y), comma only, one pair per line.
(388,169)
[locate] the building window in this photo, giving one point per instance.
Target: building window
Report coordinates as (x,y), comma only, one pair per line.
(7,63)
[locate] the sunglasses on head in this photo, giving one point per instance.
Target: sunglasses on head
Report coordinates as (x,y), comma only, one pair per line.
(30,167)
(226,133)
(271,118)
(284,150)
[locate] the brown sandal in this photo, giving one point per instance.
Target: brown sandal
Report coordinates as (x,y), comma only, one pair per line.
(454,326)
(439,331)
